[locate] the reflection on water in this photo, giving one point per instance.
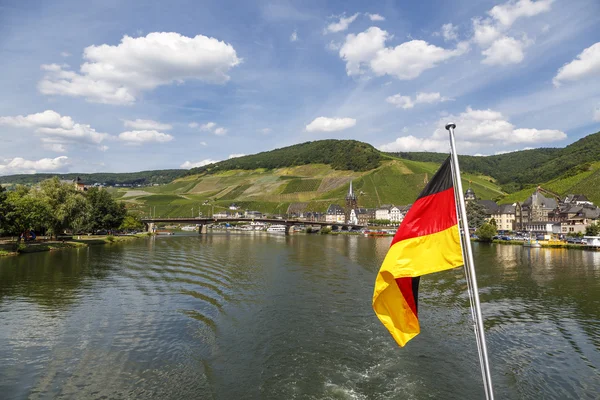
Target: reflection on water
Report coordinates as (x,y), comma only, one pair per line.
(252,315)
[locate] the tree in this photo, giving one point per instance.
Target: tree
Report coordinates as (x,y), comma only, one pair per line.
(493,222)
(475,214)
(105,212)
(4,207)
(486,232)
(593,229)
(69,206)
(131,222)
(27,212)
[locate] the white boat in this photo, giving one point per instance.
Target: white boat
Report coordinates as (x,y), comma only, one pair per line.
(531,243)
(276,229)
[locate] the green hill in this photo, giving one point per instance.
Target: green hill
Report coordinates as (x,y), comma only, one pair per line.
(304,187)
(131,178)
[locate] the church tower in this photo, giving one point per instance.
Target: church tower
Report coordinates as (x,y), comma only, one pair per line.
(351,202)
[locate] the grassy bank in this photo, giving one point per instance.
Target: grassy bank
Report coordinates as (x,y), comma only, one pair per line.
(11,248)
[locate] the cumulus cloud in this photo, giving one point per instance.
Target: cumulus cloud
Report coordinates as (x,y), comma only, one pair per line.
(475,129)
(507,13)
(209,126)
(375,17)
(193,125)
(504,51)
(118,74)
(490,33)
(587,64)
(412,143)
(405,61)
(492,126)
(449,32)
(341,25)
(55,147)
(236,155)
(55,128)
(325,124)
(20,165)
(294,36)
(407,102)
(220,131)
(188,164)
(146,124)
(145,136)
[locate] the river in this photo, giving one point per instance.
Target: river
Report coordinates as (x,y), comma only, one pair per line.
(258,316)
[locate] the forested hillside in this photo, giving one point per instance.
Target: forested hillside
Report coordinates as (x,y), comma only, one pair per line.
(134,178)
(349,155)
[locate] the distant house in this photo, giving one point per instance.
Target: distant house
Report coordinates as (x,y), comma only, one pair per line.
(578,199)
(79,185)
(396,214)
(505,217)
(536,208)
(383,212)
(470,195)
(353,218)
(311,216)
(364,215)
(234,206)
(335,213)
(221,214)
(253,214)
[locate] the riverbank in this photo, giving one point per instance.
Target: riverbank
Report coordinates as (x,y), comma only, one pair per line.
(8,248)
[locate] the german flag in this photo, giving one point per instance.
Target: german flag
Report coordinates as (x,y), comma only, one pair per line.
(427,241)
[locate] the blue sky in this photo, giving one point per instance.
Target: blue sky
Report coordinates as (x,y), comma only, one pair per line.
(126,86)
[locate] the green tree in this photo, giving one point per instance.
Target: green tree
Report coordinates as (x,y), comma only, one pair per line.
(4,207)
(475,214)
(105,212)
(131,222)
(69,207)
(593,229)
(486,232)
(27,212)
(493,222)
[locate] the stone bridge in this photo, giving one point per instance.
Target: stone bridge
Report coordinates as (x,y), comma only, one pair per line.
(204,222)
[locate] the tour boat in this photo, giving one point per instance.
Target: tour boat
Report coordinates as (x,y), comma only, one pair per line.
(276,229)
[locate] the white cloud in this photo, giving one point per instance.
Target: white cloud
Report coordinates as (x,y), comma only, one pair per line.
(507,13)
(407,102)
(587,64)
(475,129)
(56,128)
(145,136)
(324,124)
(20,165)
(294,36)
(188,164)
(405,61)
(334,46)
(65,54)
(203,144)
(492,126)
(341,25)
(193,125)
(375,17)
(504,51)
(118,74)
(412,143)
(209,126)
(449,32)
(597,114)
(220,131)
(146,124)
(236,155)
(55,147)
(485,32)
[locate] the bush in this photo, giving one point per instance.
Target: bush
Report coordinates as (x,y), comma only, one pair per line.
(110,238)
(486,232)
(325,230)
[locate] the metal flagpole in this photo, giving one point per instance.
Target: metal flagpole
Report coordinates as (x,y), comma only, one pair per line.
(489,392)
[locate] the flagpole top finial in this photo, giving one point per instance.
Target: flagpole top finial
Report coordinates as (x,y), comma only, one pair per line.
(450,126)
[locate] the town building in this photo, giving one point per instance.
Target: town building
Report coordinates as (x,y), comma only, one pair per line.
(335,214)
(383,212)
(536,208)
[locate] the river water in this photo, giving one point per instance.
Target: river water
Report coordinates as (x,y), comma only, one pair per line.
(258,316)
